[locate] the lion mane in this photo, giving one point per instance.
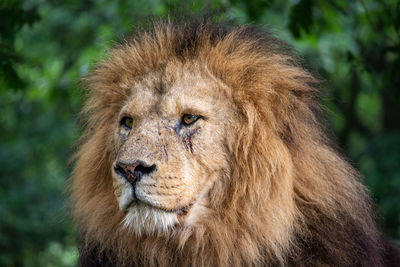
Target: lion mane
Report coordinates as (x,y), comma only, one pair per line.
(289,197)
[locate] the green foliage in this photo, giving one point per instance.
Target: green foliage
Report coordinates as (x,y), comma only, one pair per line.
(13,18)
(301,17)
(47,46)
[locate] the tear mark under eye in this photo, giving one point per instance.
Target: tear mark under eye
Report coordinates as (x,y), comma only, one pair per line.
(188,139)
(189,143)
(165,152)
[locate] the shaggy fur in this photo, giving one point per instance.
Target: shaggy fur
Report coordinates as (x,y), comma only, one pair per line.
(279,194)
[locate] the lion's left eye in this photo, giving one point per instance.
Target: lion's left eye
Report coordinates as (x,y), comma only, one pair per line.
(127,122)
(188,119)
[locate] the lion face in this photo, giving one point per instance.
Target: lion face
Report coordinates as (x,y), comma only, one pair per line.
(170,147)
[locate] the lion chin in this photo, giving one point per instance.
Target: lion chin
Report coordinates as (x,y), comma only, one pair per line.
(202,148)
(145,219)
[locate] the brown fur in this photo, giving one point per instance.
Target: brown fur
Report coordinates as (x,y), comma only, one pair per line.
(285,196)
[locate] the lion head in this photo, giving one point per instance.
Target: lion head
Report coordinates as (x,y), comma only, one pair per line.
(169,147)
(202,147)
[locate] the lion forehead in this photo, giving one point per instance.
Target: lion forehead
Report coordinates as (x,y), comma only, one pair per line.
(172,93)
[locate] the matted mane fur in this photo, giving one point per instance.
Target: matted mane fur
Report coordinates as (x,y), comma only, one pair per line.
(289,198)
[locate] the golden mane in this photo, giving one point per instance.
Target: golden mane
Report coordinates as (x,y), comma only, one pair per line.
(290,199)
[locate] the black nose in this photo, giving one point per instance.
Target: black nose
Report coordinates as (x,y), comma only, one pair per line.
(133,172)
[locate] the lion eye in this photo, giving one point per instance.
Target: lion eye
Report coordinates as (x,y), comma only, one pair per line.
(188,119)
(127,122)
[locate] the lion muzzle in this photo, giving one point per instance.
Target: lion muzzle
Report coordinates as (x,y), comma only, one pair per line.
(134,171)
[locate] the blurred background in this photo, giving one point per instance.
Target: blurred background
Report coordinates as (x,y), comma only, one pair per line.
(47,46)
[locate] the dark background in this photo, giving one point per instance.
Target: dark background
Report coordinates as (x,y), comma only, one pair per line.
(47,46)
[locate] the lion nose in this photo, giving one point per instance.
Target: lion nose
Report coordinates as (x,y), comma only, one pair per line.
(133,172)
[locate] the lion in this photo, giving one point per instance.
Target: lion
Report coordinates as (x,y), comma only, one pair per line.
(202,147)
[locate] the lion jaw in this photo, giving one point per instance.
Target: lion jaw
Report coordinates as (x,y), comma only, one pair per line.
(141,217)
(144,219)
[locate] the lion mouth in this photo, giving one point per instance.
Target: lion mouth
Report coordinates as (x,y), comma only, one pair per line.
(179,211)
(182,211)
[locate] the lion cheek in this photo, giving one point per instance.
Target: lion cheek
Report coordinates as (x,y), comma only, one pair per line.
(123,193)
